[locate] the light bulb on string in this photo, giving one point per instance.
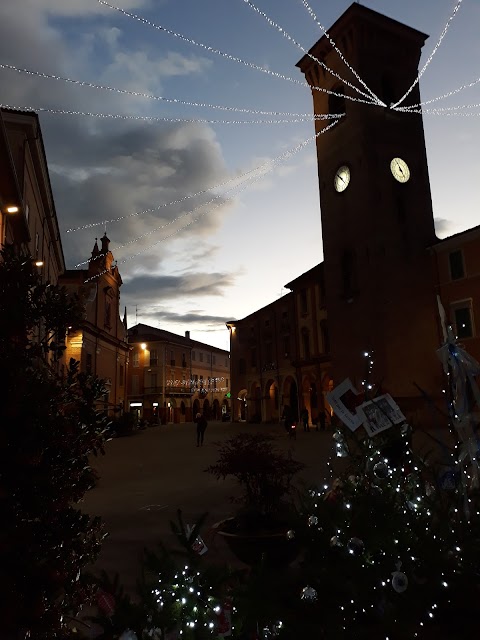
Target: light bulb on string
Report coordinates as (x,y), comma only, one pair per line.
(121,116)
(149,96)
(442,97)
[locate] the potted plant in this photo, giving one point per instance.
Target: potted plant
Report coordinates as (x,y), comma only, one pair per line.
(263,525)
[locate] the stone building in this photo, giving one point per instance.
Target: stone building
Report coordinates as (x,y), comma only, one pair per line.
(100,344)
(171,378)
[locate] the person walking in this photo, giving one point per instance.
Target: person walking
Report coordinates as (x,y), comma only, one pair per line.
(321,420)
(202,424)
(304,416)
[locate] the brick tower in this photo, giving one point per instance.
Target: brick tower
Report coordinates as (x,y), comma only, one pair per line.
(376,209)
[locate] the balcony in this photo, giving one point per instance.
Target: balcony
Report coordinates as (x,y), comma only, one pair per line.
(150,391)
(178,391)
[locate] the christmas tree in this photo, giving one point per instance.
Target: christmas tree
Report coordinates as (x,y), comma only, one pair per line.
(49,426)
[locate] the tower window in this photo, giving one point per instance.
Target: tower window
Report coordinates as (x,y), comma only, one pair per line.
(336,103)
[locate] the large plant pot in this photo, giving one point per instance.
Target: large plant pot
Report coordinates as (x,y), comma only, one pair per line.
(273,548)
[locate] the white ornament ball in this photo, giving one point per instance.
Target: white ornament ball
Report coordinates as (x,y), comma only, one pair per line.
(312,521)
(290,534)
(309,593)
(128,634)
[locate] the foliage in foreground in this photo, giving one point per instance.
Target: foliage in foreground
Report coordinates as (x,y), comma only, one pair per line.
(48,428)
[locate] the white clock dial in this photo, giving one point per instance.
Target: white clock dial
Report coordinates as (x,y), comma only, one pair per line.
(342,178)
(400,170)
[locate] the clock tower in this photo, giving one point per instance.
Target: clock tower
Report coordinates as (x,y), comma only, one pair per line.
(376,208)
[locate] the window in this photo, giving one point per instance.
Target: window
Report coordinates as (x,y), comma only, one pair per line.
(226,382)
(303,301)
(214,359)
(267,323)
(242,366)
(194,357)
(286,346)
(89,363)
(121,375)
(153,358)
(184,361)
(253,357)
(336,103)
(463,319)
(136,358)
(306,343)
(201,356)
(457,270)
(134,385)
(268,352)
(208,358)
(153,379)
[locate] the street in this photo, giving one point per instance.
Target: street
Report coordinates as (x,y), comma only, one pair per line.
(145,478)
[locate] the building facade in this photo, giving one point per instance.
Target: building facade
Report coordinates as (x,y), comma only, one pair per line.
(171,378)
(100,344)
(280,354)
(28,218)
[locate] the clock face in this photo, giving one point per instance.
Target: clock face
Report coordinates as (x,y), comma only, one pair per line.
(400,170)
(342,178)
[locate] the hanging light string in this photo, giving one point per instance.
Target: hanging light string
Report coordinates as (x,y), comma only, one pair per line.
(435,49)
(446,112)
(445,95)
(228,56)
(139,94)
(235,179)
(121,116)
(342,57)
(273,24)
(272,164)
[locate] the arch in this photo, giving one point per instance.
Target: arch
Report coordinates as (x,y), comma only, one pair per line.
(206,410)
(255,402)
(216,413)
(272,413)
(290,395)
(196,407)
(241,406)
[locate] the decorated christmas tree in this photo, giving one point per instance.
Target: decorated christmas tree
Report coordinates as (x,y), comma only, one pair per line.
(392,541)
(48,427)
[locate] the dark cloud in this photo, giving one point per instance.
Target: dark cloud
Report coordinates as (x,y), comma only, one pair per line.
(443,226)
(187,286)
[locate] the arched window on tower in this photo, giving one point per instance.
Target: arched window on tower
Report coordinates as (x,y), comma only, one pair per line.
(336,100)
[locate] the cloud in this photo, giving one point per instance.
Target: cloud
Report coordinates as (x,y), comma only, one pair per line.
(107,169)
(443,227)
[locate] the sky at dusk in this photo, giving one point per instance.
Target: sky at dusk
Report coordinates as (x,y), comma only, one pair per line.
(194,270)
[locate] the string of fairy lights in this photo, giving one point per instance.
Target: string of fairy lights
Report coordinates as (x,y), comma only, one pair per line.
(266,169)
(409,486)
(282,118)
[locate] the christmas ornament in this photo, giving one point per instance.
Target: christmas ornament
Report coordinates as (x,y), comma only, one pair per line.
(290,534)
(380,470)
(312,521)
(335,541)
(355,546)
(399,580)
(128,634)
(309,593)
